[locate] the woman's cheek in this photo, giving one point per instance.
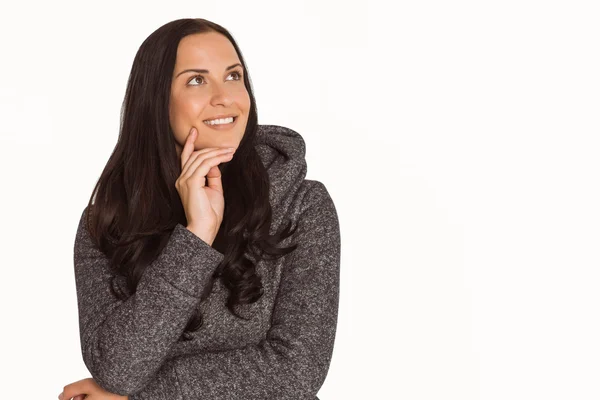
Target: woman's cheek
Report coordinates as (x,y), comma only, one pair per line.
(180,120)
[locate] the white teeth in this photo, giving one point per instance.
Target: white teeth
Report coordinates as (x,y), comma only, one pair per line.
(219,121)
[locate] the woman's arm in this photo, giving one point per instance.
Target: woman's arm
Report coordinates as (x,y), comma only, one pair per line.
(124,343)
(291,363)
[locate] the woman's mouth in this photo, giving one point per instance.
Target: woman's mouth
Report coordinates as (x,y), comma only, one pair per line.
(222,123)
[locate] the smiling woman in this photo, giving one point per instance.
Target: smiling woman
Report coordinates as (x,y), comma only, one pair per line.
(179,230)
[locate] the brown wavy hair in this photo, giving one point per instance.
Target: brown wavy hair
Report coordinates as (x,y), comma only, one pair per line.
(135,206)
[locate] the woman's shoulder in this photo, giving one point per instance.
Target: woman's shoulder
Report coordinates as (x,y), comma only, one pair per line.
(312,197)
(315,192)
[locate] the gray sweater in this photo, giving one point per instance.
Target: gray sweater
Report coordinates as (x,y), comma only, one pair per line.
(282,352)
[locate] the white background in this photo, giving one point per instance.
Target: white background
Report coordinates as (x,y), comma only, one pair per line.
(459,141)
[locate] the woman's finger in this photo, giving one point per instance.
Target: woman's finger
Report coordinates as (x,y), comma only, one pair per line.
(82,386)
(204,166)
(188,147)
(185,171)
(213,176)
(195,162)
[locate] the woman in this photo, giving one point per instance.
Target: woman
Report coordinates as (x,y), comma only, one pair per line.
(191,283)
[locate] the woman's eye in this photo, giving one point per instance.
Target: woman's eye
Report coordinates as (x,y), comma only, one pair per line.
(194,78)
(236,73)
(239,76)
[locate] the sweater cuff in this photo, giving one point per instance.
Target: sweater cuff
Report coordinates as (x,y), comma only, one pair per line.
(186,262)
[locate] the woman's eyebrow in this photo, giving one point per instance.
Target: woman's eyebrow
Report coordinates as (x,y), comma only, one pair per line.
(205,71)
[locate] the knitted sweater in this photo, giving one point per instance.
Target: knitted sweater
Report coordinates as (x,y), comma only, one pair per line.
(282,352)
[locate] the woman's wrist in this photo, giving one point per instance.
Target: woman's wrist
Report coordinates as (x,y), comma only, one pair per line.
(202,234)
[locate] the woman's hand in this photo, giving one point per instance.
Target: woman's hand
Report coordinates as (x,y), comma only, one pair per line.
(88,389)
(203,205)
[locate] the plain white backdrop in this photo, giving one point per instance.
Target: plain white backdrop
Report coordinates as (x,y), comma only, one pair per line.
(459,141)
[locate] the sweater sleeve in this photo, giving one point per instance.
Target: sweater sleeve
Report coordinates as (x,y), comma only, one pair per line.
(124,343)
(292,362)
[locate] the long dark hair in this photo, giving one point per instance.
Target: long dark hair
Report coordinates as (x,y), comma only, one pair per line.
(135,205)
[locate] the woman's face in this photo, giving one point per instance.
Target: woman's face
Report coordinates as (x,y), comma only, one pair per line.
(197,96)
